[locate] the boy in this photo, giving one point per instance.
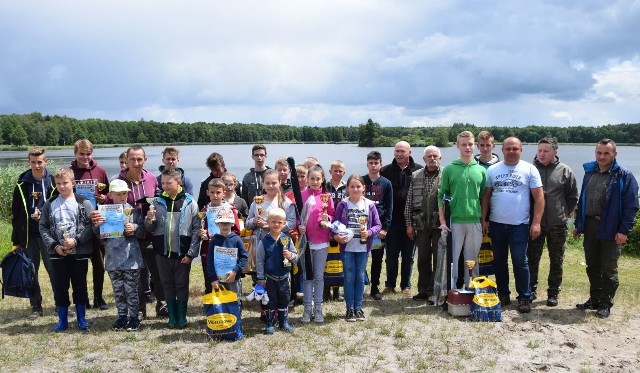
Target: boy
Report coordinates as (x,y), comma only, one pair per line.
(378,189)
(273,272)
(123,258)
(226,239)
(34,187)
(66,231)
(283,173)
(174,223)
(302,172)
(486,144)
(170,158)
(94,180)
(215,189)
(252,180)
(338,189)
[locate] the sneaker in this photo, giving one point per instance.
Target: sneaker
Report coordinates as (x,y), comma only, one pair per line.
(603,313)
(306,314)
(133,324)
(420,297)
(588,305)
(524,306)
(376,296)
(406,292)
(389,290)
(120,324)
(351,316)
(505,301)
(359,315)
(552,301)
(100,304)
(432,300)
(35,313)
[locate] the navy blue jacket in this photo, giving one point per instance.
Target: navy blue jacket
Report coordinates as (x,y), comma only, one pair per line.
(231,240)
(269,257)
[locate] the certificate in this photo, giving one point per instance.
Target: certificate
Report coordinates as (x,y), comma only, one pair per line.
(114,220)
(87,189)
(225,260)
(212,215)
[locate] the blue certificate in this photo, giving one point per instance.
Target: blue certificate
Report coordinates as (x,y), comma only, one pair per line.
(114,221)
(87,189)
(212,215)
(225,260)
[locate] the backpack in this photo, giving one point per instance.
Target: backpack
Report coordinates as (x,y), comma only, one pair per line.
(18,275)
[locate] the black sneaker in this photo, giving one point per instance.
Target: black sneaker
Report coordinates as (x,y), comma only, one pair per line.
(588,305)
(120,324)
(35,312)
(505,301)
(421,297)
(377,296)
(603,313)
(524,306)
(552,301)
(350,317)
(100,304)
(359,315)
(133,324)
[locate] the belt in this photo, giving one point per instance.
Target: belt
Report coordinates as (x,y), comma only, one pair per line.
(595,217)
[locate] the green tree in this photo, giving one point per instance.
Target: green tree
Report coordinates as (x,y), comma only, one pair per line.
(368,133)
(18,136)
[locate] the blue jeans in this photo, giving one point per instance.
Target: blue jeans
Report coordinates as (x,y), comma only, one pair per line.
(399,245)
(355,265)
(507,238)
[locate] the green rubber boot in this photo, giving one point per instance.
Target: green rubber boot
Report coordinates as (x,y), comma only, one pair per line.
(172,307)
(182,314)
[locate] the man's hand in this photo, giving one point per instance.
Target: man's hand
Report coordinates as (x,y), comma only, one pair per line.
(382,234)
(485,227)
(576,235)
(443,227)
(186,260)
(621,239)
(534,231)
(410,232)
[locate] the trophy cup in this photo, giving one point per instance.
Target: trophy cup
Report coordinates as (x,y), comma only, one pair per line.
(150,201)
(64,227)
(202,216)
(363,227)
(258,200)
(101,186)
(470,264)
(285,244)
(36,211)
(325,204)
(128,215)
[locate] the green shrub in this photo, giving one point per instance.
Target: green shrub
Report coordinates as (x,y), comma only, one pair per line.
(8,178)
(633,241)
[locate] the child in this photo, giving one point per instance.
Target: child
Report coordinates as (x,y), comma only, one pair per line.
(338,190)
(226,239)
(273,250)
(34,187)
(316,219)
(230,182)
(283,172)
(123,258)
(351,212)
(173,220)
(301,171)
(486,144)
(170,159)
(66,231)
(215,190)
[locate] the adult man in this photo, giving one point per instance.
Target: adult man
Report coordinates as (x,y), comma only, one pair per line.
(606,214)
(88,177)
(171,159)
(398,243)
(463,180)
(252,181)
(560,199)
(421,216)
(379,190)
(508,186)
(486,144)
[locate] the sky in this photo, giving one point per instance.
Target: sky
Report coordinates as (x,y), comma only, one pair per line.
(322,63)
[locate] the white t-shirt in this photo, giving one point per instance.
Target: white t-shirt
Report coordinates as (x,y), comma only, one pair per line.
(511,184)
(354,213)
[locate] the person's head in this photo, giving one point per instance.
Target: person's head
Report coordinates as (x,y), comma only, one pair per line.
(486,143)
(605,154)
(37,160)
(547,150)
(336,170)
(310,161)
(316,179)
(225,221)
(118,191)
(171,179)
(170,156)
(271,182)
(259,155)
(511,150)
(374,162)
(402,153)
(215,191)
(65,181)
(276,219)
(230,182)
(136,158)
(82,150)
(432,157)
(215,164)
(283,169)
(302,174)
(123,160)
(465,143)
(355,186)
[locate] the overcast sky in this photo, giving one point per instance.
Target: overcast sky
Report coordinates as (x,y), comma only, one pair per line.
(564,63)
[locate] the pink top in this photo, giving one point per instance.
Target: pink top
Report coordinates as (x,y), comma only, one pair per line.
(313,211)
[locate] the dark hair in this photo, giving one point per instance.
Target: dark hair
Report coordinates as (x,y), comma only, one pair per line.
(549,140)
(173,172)
(606,141)
(357,177)
(215,160)
(375,155)
(258,147)
(318,168)
(136,148)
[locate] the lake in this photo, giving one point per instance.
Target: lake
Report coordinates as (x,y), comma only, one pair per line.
(238,157)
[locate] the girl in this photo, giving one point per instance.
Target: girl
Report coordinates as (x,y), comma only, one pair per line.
(257,220)
(230,184)
(316,222)
(360,215)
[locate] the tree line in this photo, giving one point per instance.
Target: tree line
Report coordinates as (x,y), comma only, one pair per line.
(54,130)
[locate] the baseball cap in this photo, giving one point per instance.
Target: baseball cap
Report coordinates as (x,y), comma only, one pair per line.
(118,185)
(225,216)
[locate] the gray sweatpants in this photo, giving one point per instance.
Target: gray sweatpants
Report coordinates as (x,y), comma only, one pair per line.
(313,289)
(469,236)
(125,290)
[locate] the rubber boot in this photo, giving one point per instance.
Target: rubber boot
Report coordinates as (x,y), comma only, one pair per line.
(81,312)
(172,307)
(182,314)
(270,316)
(263,313)
(63,323)
(283,320)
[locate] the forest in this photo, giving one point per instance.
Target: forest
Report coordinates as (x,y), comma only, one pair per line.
(55,130)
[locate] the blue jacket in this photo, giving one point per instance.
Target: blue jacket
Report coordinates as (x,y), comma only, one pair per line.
(621,202)
(230,241)
(269,257)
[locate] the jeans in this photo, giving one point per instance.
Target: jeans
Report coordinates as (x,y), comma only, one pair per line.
(507,238)
(355,265)
(35,251)
(399,244)
(601,257)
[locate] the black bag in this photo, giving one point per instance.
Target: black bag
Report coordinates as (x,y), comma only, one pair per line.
(18,275)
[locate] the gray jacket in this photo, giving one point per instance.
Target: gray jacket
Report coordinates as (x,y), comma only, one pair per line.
(560,192)
(123,253)
(84,233)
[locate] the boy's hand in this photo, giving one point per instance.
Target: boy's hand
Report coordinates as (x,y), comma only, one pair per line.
(186,260)
(302,229)
(364,234)
(203,234)
(129,228)
(151,214)
(69,243)
(215,285)
(287,254)
(231,276)
(100,198)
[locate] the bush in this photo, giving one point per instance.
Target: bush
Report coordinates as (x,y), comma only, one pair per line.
(633,241)
(8,178)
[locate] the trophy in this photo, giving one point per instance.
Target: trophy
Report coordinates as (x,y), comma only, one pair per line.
(363,227)
(128,214)
(325,204)
(258,200)
(202,216)
(150,201)
(101,186)
(64,227)
(470,264)
(36,211)
(285,244)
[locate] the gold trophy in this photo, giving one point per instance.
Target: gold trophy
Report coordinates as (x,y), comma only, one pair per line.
(325,204)
(36,211)
(202,216)
(470,264)
(101,186)
(128,215)
(150,201)
(285,245)
(64,227)
(258,200)
(363,227)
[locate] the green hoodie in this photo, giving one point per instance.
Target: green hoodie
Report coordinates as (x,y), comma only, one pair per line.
(464,184)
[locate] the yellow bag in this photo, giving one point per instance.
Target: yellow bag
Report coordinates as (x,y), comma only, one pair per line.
(223,316)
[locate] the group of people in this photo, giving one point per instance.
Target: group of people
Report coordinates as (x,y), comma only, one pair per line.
(388,213)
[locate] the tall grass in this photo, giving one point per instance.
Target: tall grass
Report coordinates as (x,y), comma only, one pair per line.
(8,178)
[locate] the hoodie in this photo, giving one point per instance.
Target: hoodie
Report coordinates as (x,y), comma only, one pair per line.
(252,184)
(146,187)
(186,182)
(465,184)
(312,215)
(494,159)
(231,241)
(23,205)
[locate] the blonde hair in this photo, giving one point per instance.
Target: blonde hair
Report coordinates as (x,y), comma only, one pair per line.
(63,172)
(282,161)
(230,175)
(281,198)
(36,151)
(466,134)
(485,135)
(82,143)
(337,163)
(276,212)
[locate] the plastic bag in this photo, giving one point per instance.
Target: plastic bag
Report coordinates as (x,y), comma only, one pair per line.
(223,316)
(486,304)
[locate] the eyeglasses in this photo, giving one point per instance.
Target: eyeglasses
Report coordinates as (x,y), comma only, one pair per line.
(229,186)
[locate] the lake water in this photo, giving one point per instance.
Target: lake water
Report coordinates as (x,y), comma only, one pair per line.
(238,157)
